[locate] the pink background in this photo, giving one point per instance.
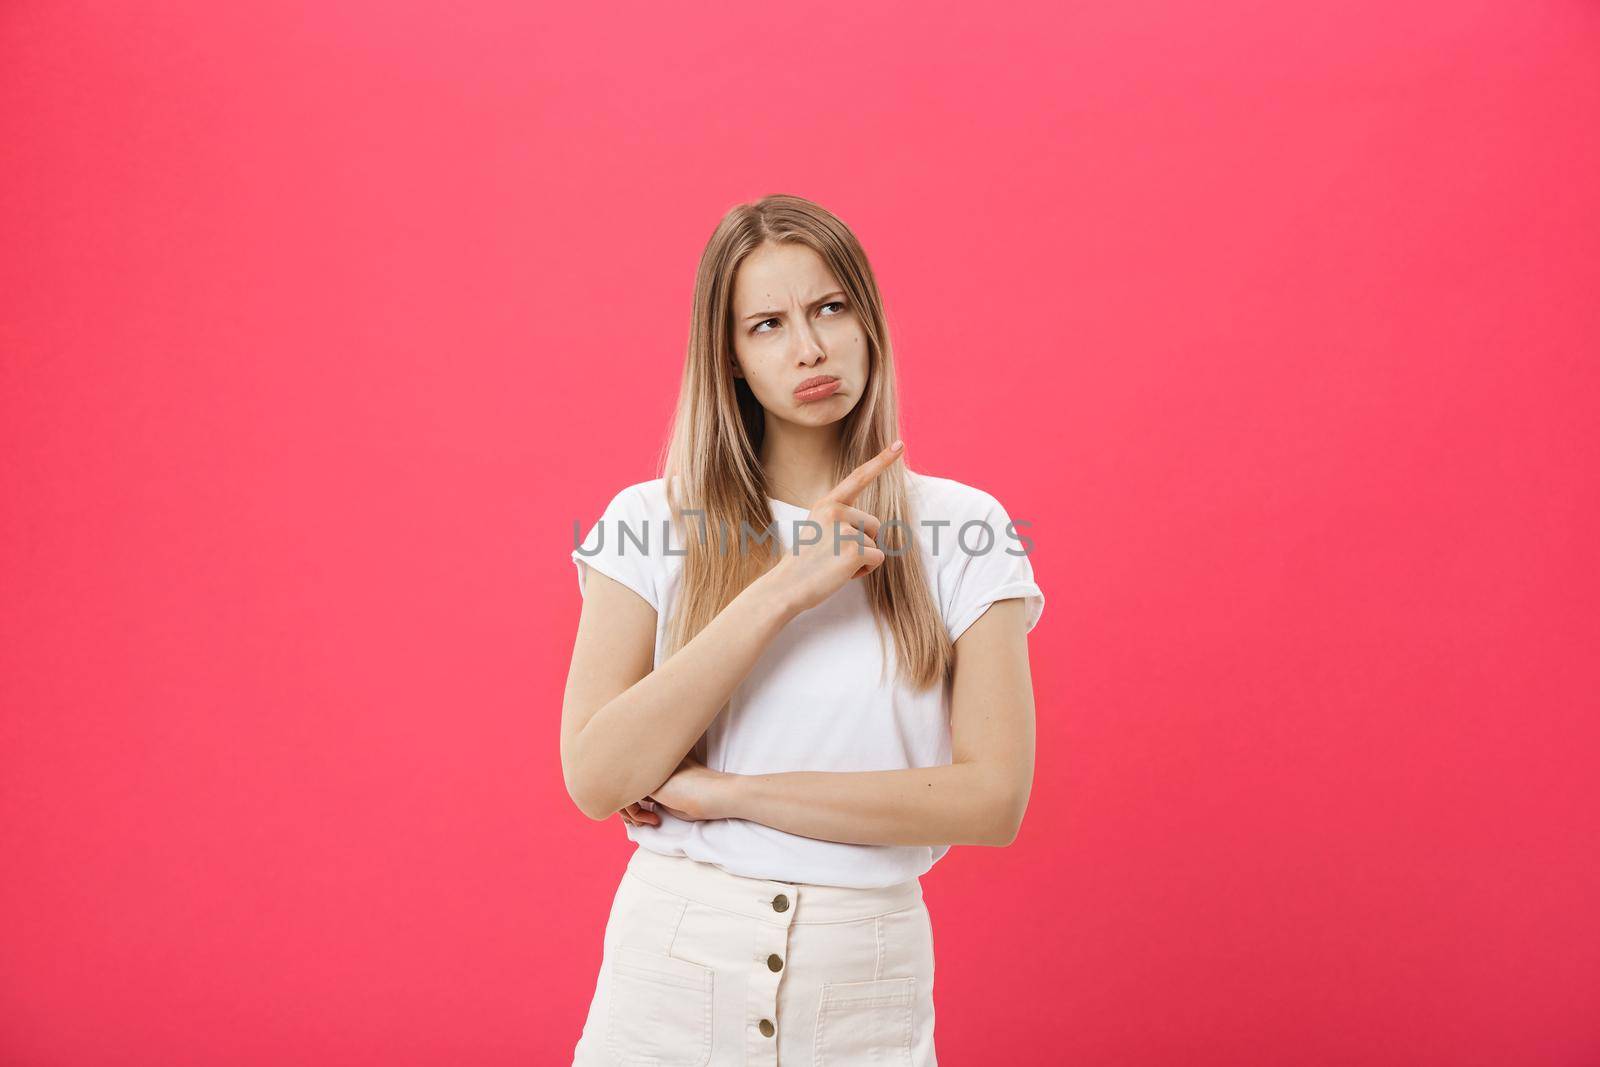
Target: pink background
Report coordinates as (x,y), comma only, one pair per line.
(322,324)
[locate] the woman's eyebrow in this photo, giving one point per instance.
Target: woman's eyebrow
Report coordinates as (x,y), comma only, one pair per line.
(775,314)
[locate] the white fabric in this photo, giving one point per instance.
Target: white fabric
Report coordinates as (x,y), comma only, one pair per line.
(814,700)
(687,972)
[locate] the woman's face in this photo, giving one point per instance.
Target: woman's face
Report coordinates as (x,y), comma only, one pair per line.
(792,323)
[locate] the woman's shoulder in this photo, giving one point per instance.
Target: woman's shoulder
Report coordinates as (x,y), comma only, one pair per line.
(646,499)
(980,552)
(955,519)
(937,497)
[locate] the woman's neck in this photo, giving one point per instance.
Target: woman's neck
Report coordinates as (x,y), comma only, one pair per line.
(799,461)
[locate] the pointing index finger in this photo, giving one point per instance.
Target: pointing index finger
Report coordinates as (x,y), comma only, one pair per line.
(857,480)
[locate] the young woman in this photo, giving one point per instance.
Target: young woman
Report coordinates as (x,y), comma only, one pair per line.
(800,675)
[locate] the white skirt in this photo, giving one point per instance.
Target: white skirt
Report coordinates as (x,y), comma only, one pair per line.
(702,967)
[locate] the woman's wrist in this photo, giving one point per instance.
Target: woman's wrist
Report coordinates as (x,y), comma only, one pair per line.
(772,596)
(725,795)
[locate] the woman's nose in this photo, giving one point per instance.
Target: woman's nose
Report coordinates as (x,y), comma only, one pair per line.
(811,351)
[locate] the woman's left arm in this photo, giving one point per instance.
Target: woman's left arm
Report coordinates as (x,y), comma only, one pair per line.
(978,799)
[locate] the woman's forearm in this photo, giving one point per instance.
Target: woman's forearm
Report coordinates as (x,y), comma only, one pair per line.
(956,804)
(632,744)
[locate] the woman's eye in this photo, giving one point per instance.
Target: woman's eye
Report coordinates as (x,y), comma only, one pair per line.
(832,303)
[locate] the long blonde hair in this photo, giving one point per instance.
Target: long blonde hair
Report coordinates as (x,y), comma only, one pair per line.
(712,462)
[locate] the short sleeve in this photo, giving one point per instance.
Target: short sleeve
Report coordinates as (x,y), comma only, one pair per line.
(622,545)
(994,564)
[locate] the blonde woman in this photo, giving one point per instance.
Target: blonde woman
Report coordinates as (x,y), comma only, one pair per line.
(800,675)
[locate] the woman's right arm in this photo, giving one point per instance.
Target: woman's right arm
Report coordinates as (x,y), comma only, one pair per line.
(625,727)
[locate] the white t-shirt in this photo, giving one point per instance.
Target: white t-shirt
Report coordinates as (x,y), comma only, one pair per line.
(813,700)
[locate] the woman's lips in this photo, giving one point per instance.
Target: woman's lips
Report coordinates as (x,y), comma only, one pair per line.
(816,389)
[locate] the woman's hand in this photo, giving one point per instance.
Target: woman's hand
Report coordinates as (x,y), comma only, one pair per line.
(695,793)
(813,572)
(636,814)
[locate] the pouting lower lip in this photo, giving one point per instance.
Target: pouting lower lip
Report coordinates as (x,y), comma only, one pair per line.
(812,386)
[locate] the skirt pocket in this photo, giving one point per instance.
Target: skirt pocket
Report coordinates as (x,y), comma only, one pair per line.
(660,1009)
(866,1022)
